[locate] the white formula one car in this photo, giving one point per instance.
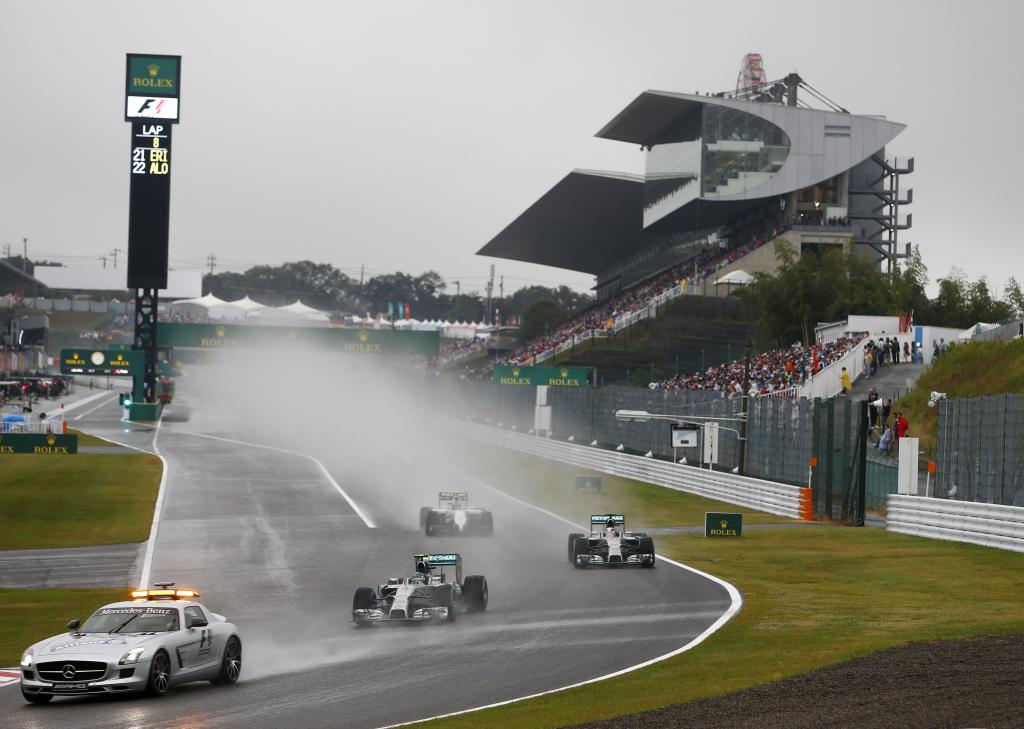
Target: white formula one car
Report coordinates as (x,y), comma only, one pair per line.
(454,516)
(609,544)
(156,640)
(428,595)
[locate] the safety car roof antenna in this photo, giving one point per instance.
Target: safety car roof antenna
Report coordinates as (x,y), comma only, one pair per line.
(164,585)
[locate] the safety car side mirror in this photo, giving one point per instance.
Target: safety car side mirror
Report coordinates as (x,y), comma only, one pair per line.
(74,624)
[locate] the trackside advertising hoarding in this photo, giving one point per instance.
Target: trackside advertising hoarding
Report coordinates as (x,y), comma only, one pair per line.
(548,376)
(239,336)
(38,444)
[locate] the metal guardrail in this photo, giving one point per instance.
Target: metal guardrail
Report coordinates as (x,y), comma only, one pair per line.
(769,496)
(990,525)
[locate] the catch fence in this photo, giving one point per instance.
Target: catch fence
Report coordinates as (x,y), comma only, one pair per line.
(980,450)
(782,434)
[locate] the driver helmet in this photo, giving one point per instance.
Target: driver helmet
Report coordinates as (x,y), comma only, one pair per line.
(422,567)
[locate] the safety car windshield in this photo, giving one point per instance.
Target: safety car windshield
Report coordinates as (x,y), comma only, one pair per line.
(132,620)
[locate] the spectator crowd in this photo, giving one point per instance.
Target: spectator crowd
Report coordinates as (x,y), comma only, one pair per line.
(602,316)
(770,372)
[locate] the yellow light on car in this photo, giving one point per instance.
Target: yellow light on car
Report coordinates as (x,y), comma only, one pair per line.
(186,593)
(140,594)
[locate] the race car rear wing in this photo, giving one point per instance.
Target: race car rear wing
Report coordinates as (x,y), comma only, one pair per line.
(431,561)
(452,499)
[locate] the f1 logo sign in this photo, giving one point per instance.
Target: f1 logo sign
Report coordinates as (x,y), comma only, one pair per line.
(147,107)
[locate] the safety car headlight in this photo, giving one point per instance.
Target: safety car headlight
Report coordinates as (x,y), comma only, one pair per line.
(26,659)
(131,656)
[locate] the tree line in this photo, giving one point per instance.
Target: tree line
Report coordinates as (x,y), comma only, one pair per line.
(831,284)
(324,287)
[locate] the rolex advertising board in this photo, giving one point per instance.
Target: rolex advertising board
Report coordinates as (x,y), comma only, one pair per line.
(547,376)
(353,341)
(719,524)
(38,444)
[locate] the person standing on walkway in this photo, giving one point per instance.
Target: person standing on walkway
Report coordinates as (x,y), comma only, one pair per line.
(902,426)
(895,351)
(906,352)
(844,381)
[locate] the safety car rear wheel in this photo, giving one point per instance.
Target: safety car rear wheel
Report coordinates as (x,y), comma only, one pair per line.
(424,513)
(474,593)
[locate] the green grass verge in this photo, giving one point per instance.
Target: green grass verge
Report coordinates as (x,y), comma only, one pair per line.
(85,439)
(812,597)
(973,369)
(33,615)
(76,501)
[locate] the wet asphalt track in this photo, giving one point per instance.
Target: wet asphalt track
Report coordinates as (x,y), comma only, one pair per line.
(277,550)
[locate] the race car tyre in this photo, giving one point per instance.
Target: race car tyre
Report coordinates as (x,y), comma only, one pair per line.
(580,546)
(446,598)
(424,512)
(431,523)
(474,593)
(363,599)
(231,663)
(487,523)
(646,546)
(159,675)
(36,698)
(572,543)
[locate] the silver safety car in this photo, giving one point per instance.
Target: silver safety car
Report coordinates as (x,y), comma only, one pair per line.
(153,641)
(428,595)
(609,544)
(453,516)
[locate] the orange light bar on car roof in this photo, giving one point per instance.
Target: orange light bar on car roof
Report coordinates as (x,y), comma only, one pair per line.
(164,594)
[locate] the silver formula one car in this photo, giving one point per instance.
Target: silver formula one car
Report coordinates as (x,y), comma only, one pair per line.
(609,544)
(158,639)
(428,595)
(454,515)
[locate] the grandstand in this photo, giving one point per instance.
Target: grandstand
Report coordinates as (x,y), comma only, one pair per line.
(728,177)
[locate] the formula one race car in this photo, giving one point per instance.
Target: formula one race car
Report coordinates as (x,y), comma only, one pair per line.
(158,639)
(426,596)
(453,516)
(610,544)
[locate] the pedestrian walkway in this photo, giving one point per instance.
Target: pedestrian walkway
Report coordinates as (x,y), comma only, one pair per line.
(892,381)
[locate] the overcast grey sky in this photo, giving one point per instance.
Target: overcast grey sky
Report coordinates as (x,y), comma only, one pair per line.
(404,135)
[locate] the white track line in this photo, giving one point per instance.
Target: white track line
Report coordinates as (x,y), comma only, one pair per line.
(147,561)
(337,487)
(90,411)
(736,602)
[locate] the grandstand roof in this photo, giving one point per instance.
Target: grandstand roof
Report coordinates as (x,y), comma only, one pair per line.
(656,117)
(585,223)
